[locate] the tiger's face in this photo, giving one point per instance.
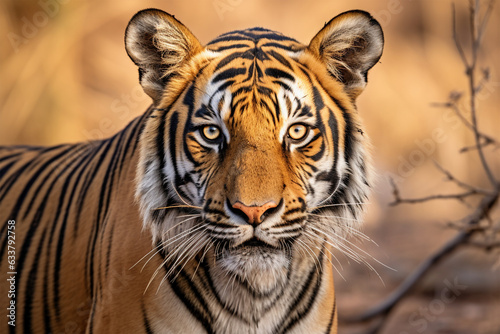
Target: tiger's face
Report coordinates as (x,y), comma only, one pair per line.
(254,154)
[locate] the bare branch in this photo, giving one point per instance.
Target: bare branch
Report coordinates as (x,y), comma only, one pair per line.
(455,37)
(399,200)
(488,246)
(485,20)
(452,104)
(384,308)
(459,183)
(472,89)
(473,148)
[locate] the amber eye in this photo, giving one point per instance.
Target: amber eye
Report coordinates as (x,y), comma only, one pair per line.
(211,132)
(298,131)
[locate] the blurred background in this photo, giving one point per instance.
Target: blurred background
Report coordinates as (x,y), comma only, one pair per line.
(65,77)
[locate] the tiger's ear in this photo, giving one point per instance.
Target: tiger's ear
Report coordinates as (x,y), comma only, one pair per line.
(349,45)
(159,45)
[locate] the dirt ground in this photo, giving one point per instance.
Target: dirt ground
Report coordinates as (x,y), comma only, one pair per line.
(460,295)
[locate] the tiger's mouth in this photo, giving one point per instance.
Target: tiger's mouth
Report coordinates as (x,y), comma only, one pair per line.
(250,247)
(255,242)
(255,248)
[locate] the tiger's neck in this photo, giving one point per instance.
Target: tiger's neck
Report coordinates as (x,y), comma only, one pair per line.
(225,303)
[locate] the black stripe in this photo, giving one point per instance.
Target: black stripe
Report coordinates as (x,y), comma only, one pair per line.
(33,225)
(87,158)
(229,47)
(28,289)
(318,100)
(332,317)
(145,320)
(172,133)
(274,115)
(229,73)
(235,55)
(333,124)
(55,167)
(205,112)
(277,73)
(160,146)
(230,38)
(35,176)
(283,85)
(57,260)
(271,35)
(295,315)
(6,157)
(108,251)
(47,317)
(89,266)
(139,128)
(282,46)
(281,59)
(192,298)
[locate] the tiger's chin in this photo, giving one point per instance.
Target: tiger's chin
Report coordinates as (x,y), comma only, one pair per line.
(258,267)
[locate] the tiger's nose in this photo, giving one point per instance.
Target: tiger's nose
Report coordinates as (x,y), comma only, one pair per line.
(254,214)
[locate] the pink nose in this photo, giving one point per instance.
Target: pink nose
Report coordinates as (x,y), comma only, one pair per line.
(254,213)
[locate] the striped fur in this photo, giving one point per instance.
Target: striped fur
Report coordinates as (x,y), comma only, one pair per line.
(143,232)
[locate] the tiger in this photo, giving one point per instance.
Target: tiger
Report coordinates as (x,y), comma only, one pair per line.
(215,211)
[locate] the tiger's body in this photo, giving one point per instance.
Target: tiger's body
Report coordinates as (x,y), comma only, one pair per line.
(217,210)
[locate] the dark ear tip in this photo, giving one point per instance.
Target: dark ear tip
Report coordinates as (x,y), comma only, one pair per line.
(148,12)
(373,21)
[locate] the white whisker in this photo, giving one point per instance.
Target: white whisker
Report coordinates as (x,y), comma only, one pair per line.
(333,192)
(168,242)
(158,246)
(203,256)
(338,217)
(192,230)
(336,204)
(314,256)
(350,252)
(178,207)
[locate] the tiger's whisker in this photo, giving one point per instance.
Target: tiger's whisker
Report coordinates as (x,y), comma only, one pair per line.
(312,236)
(142,258)
(179,195)
(202,257)
(169,257)
(333,192)
(337,204)
(343,218)
(185,255)
(168,242)
(178,206)
(352,253)
(314,256)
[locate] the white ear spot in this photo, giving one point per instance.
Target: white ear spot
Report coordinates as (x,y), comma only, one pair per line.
(349,45)
(159,45)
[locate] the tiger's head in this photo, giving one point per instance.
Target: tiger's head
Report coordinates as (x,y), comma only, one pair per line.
(254,153)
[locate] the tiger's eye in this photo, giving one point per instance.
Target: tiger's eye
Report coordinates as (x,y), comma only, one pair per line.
(211,132)
(297,131)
